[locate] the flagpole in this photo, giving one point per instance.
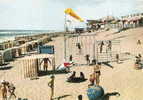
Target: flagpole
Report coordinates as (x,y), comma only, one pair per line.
(65,26)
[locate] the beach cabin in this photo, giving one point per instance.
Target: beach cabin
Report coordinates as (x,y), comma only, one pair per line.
(34,44)
(1,59)
(2,47)
(30,65)
(7,44)
(16,52)
(7,55)
(24,49)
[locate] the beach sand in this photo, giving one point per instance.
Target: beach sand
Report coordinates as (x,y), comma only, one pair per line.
(122,78)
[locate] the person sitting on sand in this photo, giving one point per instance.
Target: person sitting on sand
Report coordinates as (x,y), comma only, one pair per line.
(82,76)
(73,75)
(46,61)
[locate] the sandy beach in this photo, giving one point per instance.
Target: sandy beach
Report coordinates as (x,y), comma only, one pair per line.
(122,78)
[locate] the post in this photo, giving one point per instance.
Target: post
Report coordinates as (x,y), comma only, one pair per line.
(51,83)
(94,49)
(65,48)
(96,52)
(65,26)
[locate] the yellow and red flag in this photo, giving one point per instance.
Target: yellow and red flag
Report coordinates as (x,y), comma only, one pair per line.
(70,12)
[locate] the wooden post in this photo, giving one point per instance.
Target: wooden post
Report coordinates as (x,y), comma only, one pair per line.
(96,52)
(65,47)
(51,83)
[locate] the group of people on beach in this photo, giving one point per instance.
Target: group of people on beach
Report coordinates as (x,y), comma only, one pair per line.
(108,46)
(101,45)
(7,90)
(74,78)
(138,62)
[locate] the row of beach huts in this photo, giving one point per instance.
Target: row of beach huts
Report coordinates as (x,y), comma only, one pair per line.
(21,46)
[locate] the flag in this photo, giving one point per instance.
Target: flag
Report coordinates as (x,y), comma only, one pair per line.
(70,12)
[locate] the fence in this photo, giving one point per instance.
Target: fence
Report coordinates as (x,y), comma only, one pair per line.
(89,46)
(30,66)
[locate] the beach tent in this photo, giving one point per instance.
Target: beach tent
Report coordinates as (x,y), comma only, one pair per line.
(1,59)
(16,52)
(30,64)
(24,49)
(7,55)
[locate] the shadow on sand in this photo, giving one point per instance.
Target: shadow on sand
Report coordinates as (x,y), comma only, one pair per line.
(108,95)
(5,67)
(107,64)
(61,97)
(44,73)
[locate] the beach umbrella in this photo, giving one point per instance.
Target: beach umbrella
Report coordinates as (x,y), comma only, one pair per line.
(95,93)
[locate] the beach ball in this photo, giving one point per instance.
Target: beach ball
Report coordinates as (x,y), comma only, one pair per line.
(95,92)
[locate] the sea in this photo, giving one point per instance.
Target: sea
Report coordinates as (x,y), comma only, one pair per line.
(6,35)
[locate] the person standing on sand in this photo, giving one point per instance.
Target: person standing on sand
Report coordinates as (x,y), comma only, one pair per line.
(101,46)
(3,90)
(51,85)
(87,59)
(92,79)
(97,73)
(139,42)
(70,58)
(46,61)
(79,47)
(117,58)
(11,90)
(109,46)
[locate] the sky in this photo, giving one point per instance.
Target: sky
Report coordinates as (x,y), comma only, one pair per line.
(49,14)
